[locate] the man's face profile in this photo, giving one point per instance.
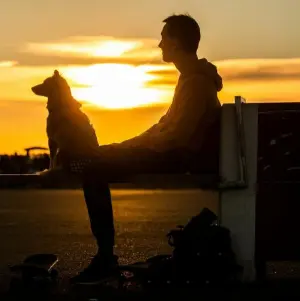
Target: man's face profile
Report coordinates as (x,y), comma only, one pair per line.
(167,45)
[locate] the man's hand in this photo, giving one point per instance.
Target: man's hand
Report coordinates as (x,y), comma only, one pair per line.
(48,173)
(43,172)
(57,176)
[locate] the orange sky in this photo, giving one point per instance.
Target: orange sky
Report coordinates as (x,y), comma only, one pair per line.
(116,69)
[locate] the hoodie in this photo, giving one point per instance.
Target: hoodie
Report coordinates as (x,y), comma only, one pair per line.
(194,110)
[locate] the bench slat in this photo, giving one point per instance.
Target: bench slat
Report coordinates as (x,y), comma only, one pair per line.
(141,180)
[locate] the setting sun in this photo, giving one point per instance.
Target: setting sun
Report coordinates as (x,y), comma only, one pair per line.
(115,86)
(120,80)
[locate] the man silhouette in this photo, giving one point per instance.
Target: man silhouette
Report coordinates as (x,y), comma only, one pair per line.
(186,132)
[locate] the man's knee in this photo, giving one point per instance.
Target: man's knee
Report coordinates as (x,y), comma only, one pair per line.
(92,179)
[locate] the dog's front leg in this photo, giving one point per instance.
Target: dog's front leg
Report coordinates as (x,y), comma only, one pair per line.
(53,151)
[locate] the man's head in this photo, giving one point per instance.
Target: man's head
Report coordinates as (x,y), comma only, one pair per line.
(180,36)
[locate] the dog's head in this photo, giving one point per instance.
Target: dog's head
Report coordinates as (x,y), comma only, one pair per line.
(57,90)
(52,85)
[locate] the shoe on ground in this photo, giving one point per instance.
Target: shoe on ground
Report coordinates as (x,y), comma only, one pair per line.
(98,271)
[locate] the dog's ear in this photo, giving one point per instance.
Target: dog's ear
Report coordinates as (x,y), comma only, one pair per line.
(56,73)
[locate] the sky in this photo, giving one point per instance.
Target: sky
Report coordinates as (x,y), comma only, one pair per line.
(107,50)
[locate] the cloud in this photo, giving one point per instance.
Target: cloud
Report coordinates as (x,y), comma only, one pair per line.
(84,46)
(47,61)
(171,72)
(164,77)
(161,82)
(87,50)
(261,80)
(260,69)
(257,78)
(263,75)
(241,70)
(5,64)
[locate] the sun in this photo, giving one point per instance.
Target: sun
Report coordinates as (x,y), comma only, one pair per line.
(111,85)
(115,86)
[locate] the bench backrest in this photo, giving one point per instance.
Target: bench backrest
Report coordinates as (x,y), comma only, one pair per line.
(233,163)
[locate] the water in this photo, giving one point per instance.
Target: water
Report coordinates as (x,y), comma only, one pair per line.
(56,221)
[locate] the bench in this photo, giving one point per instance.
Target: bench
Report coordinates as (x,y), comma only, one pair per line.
(236,185)
(204,181)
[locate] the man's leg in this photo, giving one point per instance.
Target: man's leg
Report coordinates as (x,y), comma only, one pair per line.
(99,205)
(117,163)
(114,163)
(98,202)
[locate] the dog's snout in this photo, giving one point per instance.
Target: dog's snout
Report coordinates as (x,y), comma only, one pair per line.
(39,90)
(35,88)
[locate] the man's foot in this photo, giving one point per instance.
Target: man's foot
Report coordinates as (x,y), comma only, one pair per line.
(98,271)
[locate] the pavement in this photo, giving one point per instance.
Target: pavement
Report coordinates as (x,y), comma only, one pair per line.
(56,221)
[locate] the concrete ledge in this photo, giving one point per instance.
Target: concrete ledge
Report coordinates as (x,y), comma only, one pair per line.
(61,180)
(17,180)
(201,181)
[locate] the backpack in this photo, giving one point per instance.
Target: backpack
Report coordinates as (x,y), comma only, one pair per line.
(202,253)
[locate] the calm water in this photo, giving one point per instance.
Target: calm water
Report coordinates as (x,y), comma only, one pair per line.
(56,221)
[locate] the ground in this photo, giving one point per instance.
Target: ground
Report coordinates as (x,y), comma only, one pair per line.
(52,221)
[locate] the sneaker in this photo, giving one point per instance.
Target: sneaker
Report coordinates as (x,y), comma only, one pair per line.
(98,271)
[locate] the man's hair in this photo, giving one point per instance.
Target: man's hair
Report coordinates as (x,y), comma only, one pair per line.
(186,30)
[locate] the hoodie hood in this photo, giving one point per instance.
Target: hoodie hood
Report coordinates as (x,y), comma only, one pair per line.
(210,70)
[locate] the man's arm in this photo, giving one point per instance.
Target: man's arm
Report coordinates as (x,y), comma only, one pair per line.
(155,126)
(194,94)
(142,140)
